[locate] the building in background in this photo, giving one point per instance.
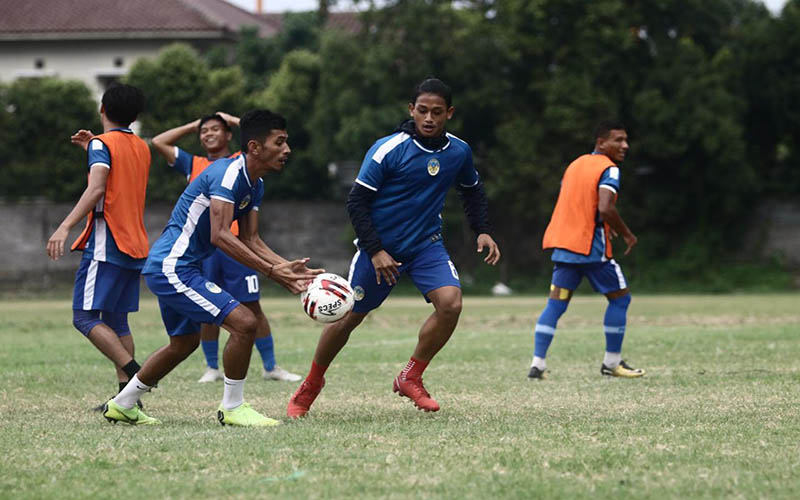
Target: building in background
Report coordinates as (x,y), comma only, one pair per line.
(97,41)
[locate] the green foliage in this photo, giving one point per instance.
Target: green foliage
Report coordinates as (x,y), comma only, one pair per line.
(291,93)
(179,87)
(37,117)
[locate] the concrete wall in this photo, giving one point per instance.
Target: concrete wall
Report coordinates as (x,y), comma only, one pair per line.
(293,229)
(776,232)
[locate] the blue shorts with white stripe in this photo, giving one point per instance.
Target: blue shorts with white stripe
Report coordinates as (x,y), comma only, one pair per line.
(186,299)
(102,286)
(605,277)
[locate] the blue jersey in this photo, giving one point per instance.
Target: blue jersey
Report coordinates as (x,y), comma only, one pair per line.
(186,241)
(183,162)
(609,180)
(101,245)
(411,184)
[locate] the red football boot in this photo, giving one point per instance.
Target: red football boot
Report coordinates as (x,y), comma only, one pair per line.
(415,391)
(303,397)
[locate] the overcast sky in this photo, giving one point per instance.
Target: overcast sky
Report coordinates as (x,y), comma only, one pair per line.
(295,5)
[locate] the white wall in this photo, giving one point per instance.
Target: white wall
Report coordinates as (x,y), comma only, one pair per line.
(74,59)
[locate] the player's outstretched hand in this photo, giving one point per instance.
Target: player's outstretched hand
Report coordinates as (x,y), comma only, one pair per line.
(55,245)
(631,240)
(386,267)
(294,275)
(486,241)
(82,138)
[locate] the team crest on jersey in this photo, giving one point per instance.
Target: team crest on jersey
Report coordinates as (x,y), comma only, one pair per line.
(213,287)
(358,293)
(244,202)
(433,166)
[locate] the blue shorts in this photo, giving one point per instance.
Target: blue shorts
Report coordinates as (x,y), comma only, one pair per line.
(101,286)
(187,299)
(605,277)
(430,269)
(232,276)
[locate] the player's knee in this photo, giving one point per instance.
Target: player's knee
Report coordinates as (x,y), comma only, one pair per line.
(623,301)
(247,325)
(450,307)
(184,345)
(84,321)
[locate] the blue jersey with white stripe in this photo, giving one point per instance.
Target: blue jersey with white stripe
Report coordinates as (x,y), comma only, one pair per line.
(186,241)
(183,162)
(411,184)
(101,245)
(609,180)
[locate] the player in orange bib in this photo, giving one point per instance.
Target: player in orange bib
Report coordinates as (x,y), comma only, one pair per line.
(580,230)
(114,241)
(214,133)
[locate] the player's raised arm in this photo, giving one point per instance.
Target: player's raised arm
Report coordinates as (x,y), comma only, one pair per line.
(165,141)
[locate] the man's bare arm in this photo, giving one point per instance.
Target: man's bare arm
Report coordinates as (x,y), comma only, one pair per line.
(98,176)
(607,206)
(165,141)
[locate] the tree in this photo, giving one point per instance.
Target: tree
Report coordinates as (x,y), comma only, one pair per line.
(180,87)
(38,117)
(292,92)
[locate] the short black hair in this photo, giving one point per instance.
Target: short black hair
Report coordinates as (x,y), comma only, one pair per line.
(257,125)
(433,85)
(605,127)
(214,116)
(122,103)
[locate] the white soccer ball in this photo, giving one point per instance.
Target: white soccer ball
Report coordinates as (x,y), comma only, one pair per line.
(328,298)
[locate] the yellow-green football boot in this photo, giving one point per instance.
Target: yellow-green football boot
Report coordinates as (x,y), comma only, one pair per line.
(623,369)
(135,416)
(244,416)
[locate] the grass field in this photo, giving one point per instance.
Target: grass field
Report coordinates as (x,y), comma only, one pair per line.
(718,414)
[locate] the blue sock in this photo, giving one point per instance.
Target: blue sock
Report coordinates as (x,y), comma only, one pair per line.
(211,350)
(614,322)
(266,348)
(546,326)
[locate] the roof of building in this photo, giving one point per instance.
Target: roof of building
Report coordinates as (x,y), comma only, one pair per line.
(346,21)
(51,19)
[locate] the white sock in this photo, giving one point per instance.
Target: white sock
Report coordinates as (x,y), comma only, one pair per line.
(130,393)
(539,363)
(612,359)
(233,393)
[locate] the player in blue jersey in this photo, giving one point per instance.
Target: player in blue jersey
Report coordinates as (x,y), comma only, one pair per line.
(230,189)
(114,242)
(214,133)
(395,206)
(580,230)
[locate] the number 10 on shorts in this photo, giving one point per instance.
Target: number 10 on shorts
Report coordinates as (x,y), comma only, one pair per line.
(252,283)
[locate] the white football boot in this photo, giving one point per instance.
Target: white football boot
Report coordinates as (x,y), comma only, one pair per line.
(279,373)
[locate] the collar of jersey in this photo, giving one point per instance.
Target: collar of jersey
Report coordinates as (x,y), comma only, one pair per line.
(422,143)
(125,130)
(244,169)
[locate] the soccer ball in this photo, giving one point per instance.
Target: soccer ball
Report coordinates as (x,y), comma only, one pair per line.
(328,298)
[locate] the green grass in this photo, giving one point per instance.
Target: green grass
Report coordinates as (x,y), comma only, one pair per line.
(716,416)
